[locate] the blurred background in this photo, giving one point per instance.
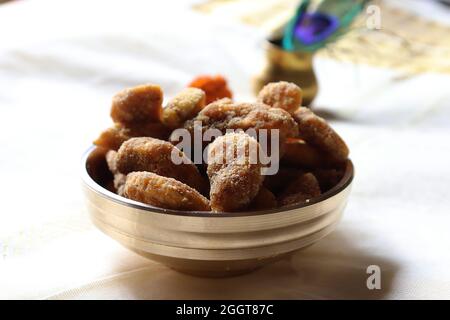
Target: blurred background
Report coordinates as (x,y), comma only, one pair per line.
(384,84)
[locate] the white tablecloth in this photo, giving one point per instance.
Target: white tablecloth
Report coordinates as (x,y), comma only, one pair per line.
(60,63)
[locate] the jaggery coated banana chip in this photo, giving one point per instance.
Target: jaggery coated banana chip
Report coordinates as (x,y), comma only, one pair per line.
(111,160)
(119,183)
(140,104)
(298,153)
(284,95)
(142,165)
(234,171)
(328,178)
(182,107)
(285,175)
(163,192)
(302,189)
(317,132)
(113,137)
(264,200)
(224,114)
(119,178)
(160,157)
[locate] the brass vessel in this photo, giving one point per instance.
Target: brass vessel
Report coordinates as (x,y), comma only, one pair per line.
(282,65)
(211,244)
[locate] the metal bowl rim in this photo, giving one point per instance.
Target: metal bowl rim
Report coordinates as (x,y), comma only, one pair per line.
(101,191)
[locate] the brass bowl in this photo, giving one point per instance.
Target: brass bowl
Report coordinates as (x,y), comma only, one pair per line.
(210,244)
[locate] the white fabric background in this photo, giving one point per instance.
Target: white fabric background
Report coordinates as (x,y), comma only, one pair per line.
(60,63)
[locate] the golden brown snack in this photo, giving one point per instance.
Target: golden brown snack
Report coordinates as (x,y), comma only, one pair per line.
(298,153)
(285,175)
(119,178)
(119,183)
(328,178)
(284,95)
(234,171)
(224,114)
(215,87)
(112,138)
(111,160)
(140,104)
(307,144)
(157,156)
(302,189)
(184,106)
(316,131)
(264,200)
(163,192)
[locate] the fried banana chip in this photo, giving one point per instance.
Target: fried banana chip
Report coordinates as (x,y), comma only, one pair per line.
(328,178)
(160,157)
(112,138)
(111,160)
(224,114)
(302,189)
(182,107)
(264,200)
(163,192)
(119,178)
(140,104)
(285,175)
(234,172)
(317,132)
(284,95)
(298,153)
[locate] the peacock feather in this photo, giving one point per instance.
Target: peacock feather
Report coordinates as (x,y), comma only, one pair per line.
(317,23)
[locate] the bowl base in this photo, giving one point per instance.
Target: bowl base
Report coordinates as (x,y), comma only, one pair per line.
(209,268)
(214,274)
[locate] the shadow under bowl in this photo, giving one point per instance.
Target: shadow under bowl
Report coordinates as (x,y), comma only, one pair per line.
(204,243)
